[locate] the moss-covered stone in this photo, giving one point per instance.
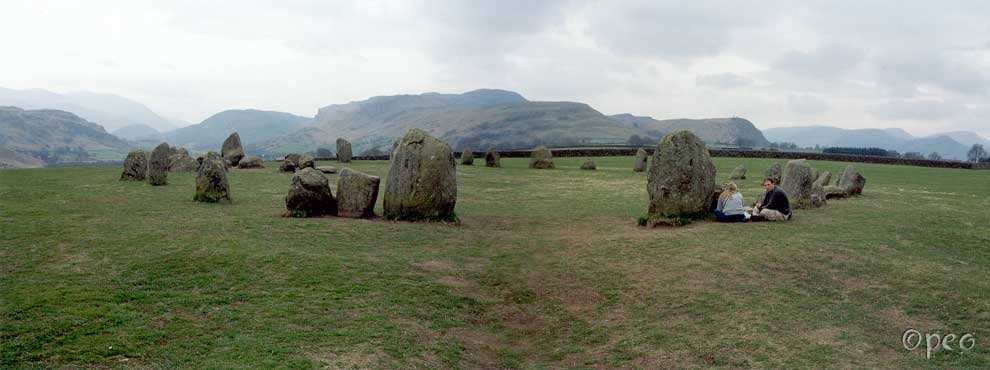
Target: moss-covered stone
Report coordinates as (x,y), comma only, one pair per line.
(211,180)
(158,165)
(310,195)
(682,176)
(344,153)
(422,181)
(541,158)
(135,166)
(232,151)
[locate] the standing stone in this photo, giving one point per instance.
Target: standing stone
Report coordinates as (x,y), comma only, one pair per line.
(640,161)
(158,165)
(773,172)
(467,157)
(589,165)
(232,151)
(818,194)
(309,195)
(491,158)
(357,193)
(251,162)
(211,180)
(851,181)
(305,161)
(681,178)
(823,179)
(181,162)
(343,150)
(289,163)
(135,166)
(422,182)
(797,183)
(739,173)
(541,158)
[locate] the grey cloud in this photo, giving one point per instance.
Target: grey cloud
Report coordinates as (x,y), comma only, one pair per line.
(916,109)
(807,104)
(723,80)
(826,62)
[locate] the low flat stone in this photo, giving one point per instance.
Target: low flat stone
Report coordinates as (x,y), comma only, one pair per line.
(327,169)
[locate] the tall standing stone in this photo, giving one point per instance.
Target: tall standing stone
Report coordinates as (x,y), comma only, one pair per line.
(851,181)
(818,193)
(682,176)
(422,182)
(135,166)
(797,183)
(357,193)
(541,158)
(640,161)
(158,165)
(491,158)
(739,173)
(309,195)
(211,180)
(467,157)
(343,150)
(232,151)
(773,172)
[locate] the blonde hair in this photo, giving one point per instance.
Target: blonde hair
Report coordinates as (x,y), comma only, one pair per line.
(730,189)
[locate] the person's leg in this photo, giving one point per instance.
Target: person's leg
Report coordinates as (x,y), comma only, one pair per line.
(736,218)
(772,215)
(719,216)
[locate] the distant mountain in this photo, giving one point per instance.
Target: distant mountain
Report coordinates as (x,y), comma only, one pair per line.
(252,125)
(481,118)
(967,138)
(732,131)
(29,136)
(135,132)
(890,139)
(109,111)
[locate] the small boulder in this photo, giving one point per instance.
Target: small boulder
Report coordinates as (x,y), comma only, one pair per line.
(158,165)
(681,178)
(774,172)
(797,183)
(739,173)
(422,180)
(211,180)
(832,192)
(357,193)
(589,164)
(343,150)
(640,160)
(289,163)
(135,166)
(491,158)
(232,151)
(305,161)
(310,195)
(182,163)
(467,157)
(852,181)
(251,162)
(327,169)
(541,158)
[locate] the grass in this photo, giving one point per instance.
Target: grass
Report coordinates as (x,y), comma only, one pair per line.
(547,269)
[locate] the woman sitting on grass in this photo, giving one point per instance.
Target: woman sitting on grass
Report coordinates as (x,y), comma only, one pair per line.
(730,205)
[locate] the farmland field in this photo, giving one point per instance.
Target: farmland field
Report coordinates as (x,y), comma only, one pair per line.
(546,270)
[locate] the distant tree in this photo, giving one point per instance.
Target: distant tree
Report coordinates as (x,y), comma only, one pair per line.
(976,153)
(324,153)
(893,153)
(745,142)
(935,156)
(914,155)
(636,140)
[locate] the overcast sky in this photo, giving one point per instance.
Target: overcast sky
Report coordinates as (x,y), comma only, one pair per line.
(918,65)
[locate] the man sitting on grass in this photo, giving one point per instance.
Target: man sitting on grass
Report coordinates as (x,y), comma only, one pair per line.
(774,206)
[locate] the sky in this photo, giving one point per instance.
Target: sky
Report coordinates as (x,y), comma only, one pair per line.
(916,65)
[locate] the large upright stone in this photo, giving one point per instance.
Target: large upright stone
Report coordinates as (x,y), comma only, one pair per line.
(357,193)
(681,178)
(135,166)
(774,172)
(211,180)
(309,195)
(541,158)
(491,158)
(640,160)
(232,151)
(797,182)
(422,182)
(158,165)
(467,157)
(739,173)
(852,181)
(343,150)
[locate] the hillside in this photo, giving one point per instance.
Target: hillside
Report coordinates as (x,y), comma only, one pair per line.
(253,125)
(137,131)
(734,131)
(890,139)
(107,110)
(32,135)
(486,117)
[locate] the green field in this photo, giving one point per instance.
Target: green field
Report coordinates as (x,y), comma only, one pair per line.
(546,270)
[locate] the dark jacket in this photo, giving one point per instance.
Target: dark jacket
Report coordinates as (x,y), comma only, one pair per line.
(777,201)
